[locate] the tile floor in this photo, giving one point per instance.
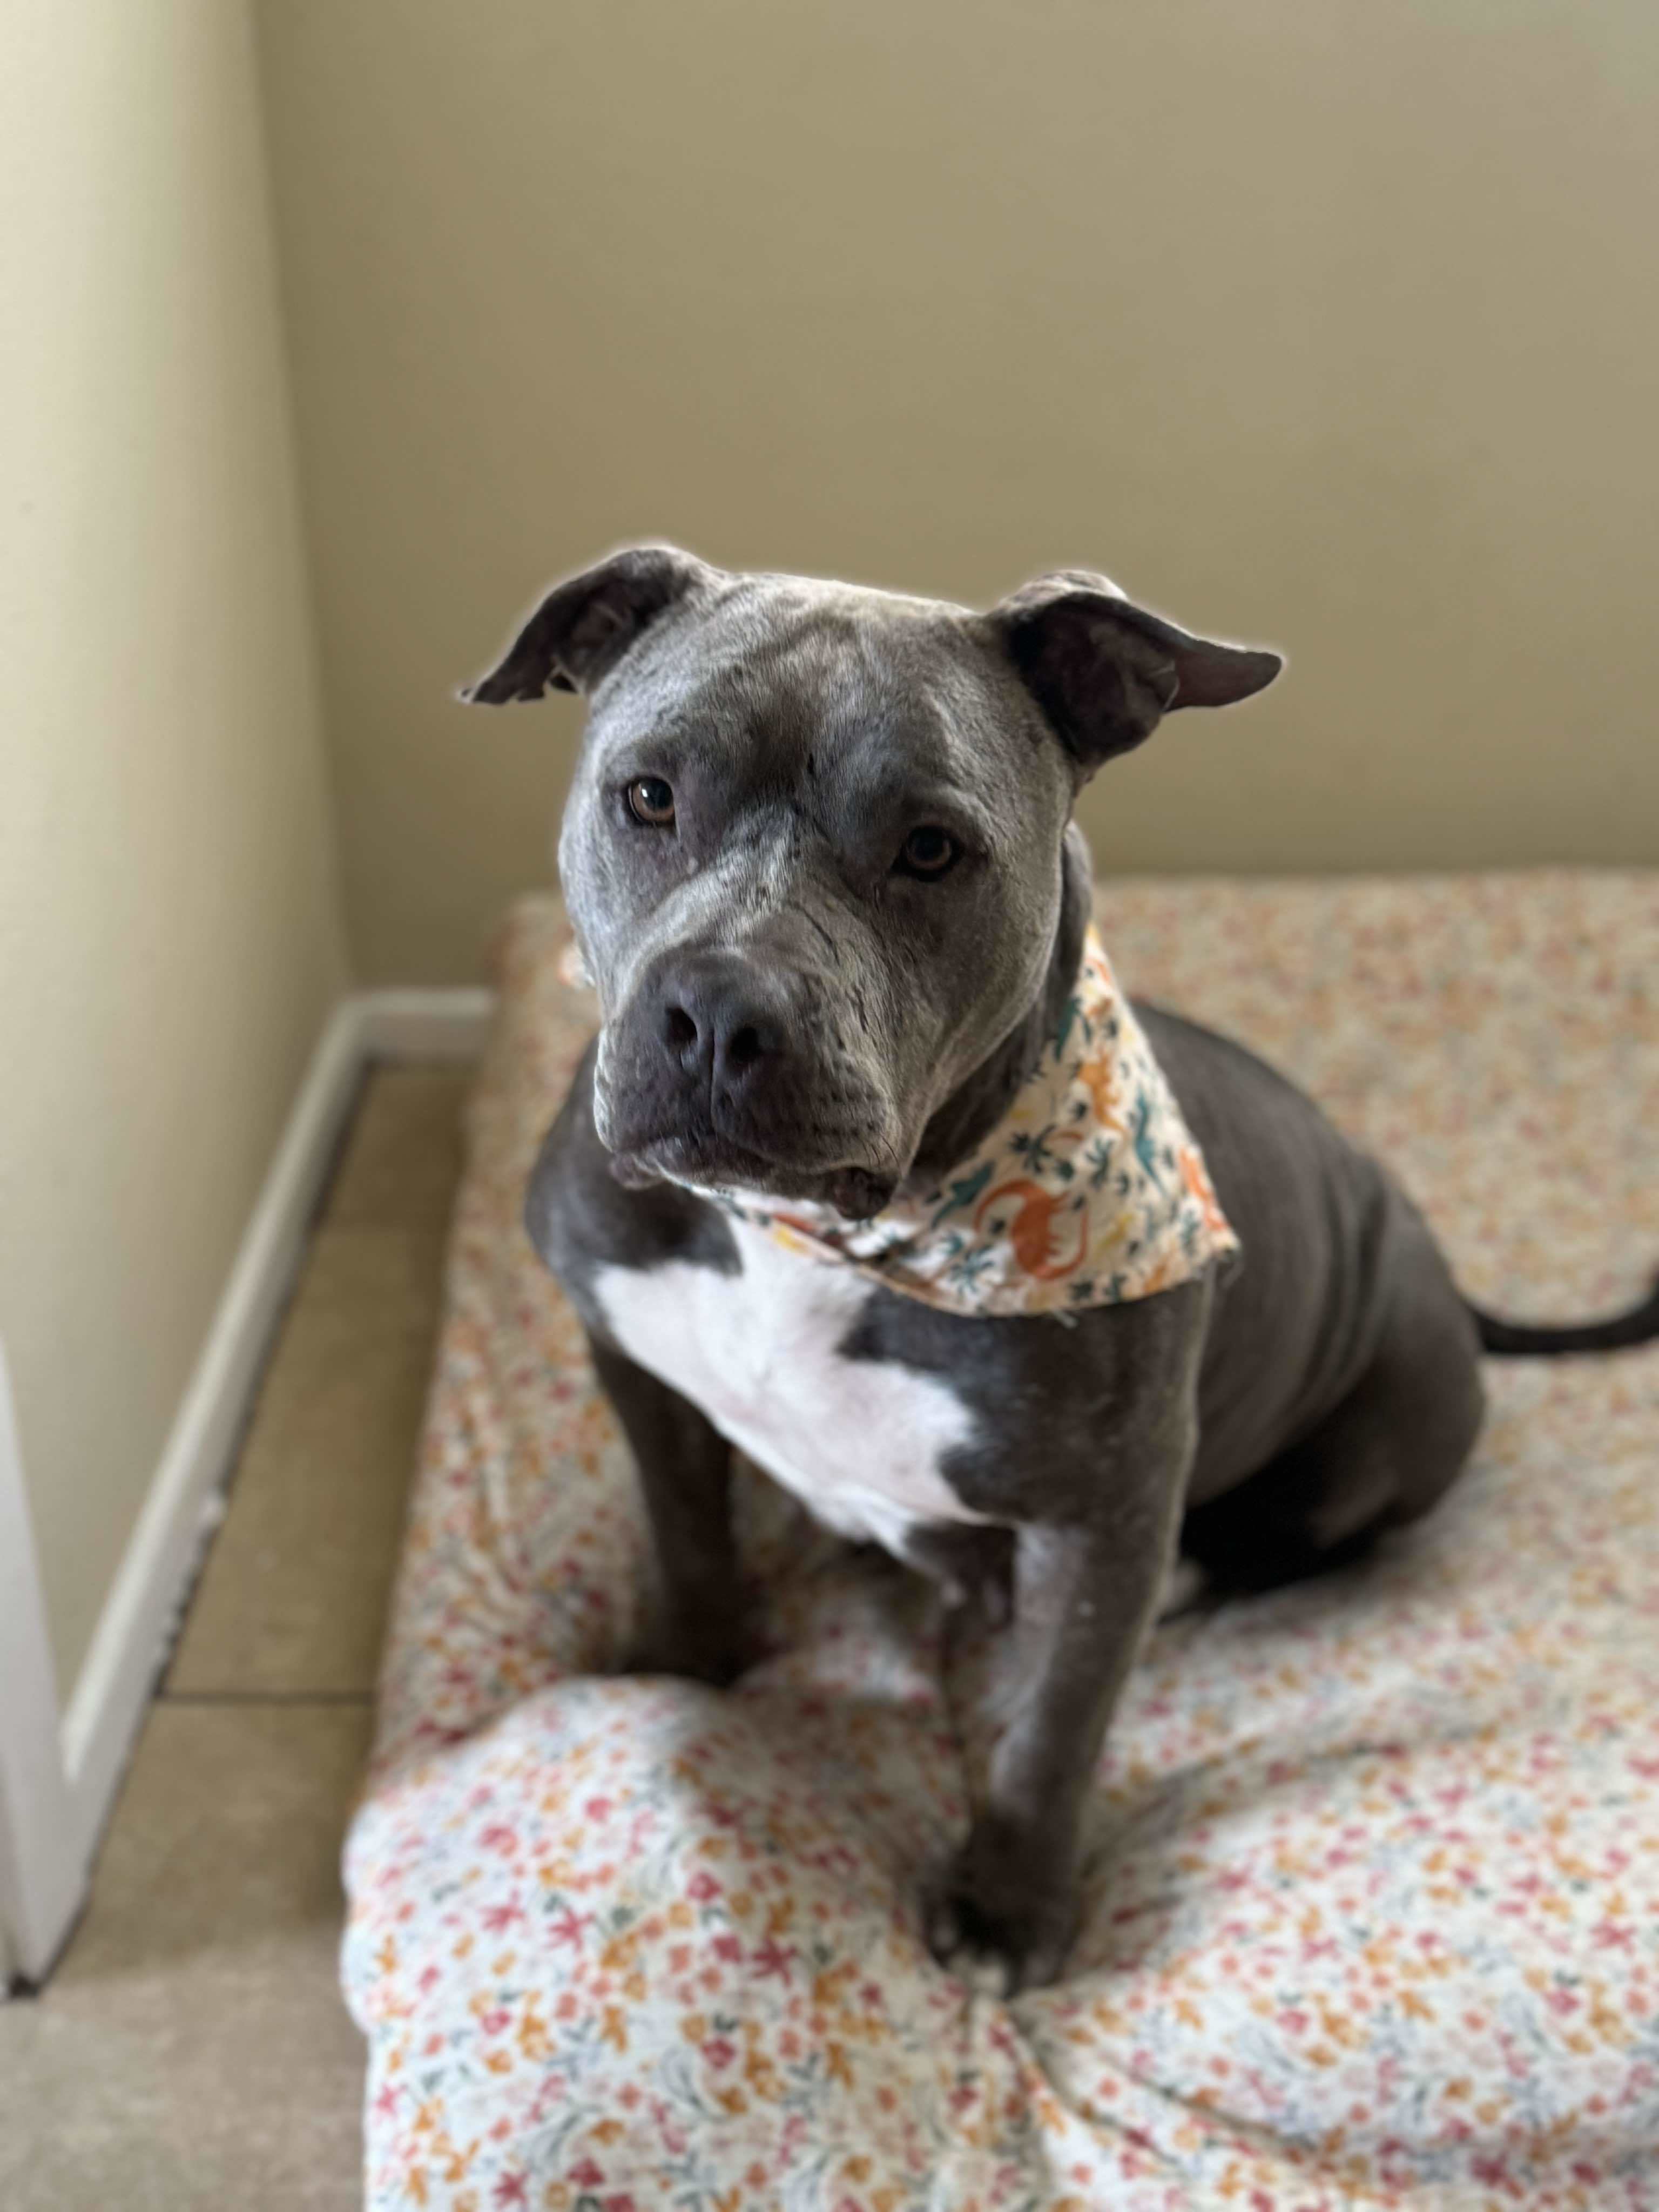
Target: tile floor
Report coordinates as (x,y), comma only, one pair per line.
(192,2050)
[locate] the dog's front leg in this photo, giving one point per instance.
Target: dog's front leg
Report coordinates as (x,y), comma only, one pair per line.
(1084,1598)
(693,1622)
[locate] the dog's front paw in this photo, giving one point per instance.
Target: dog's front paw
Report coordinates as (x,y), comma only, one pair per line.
(998,1920)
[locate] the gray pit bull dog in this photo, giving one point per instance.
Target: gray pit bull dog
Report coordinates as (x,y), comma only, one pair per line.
(820,860)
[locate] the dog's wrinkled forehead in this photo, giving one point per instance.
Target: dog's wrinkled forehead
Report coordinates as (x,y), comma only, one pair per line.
(779,686)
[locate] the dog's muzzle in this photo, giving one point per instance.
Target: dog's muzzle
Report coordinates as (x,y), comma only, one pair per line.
(733,1071)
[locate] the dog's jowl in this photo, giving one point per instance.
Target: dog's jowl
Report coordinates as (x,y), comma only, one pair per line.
(874,1172)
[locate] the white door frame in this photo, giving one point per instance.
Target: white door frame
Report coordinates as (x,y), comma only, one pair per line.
(43,1867)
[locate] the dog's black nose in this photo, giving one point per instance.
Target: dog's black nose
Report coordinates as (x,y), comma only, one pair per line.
(719,1023)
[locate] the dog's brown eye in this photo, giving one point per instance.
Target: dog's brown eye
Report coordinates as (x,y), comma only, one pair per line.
(651,801)
(928,851)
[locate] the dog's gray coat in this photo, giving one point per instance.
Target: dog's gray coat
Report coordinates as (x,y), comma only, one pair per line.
(791,1008)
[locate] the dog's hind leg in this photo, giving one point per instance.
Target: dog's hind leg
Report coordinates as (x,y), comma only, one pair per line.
(1379,1459)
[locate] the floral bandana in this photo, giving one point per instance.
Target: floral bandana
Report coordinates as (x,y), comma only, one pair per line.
(1090,1191)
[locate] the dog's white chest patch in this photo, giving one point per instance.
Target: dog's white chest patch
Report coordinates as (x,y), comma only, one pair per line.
(858,1441)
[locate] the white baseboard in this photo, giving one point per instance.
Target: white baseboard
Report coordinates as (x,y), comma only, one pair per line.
(49,1837)
(128,1643)
(425,1025)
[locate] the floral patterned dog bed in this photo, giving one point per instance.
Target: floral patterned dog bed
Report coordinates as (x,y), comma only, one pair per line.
(1374,1917)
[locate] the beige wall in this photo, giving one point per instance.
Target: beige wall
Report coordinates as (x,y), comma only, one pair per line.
(1330,325)
(168,934)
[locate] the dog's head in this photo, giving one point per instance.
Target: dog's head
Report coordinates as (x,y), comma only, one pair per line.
(813,847)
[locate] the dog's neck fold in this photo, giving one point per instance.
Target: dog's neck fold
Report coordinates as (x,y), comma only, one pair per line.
(974,1107)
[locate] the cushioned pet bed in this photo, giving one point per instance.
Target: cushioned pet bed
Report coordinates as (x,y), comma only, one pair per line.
(1374,1895)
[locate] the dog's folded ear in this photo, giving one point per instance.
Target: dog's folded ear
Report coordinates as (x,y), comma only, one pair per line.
(1106,671)
(584,626)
